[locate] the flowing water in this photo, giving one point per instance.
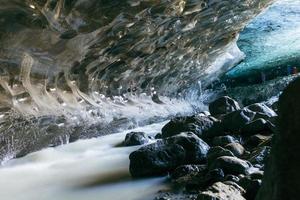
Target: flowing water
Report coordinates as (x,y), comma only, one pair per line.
(90,169)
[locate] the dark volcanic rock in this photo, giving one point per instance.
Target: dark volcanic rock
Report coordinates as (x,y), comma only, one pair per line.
(187,170)
(262,109)
(216,152)
(259,155)
(282,175)
(196,149)
(257,126)
(156,159)
(196,124)
(236,120)
(200,180)
(223,191)
(236,148)
(231,165)
(258,139)
(223,105)
(136,138)
(230,123)
(165,155)
(223,140)
(251,186)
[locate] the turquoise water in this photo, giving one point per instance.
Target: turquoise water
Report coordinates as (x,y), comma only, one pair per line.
(272,41)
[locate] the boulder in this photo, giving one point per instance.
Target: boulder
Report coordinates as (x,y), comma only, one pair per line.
(223,140)
(262,108)
(256,127)
(230,124)
(200,180)
(216,152)
(156,159)
(158,136)
(258,140)
(222,191)
(136,138)
(236,148)
(185,170)
(259,155)
(232,178)
(231,165)
(251,187)
(223,105)
(196,149)
(196,124)
(165,155)
(282,175)
(257,175)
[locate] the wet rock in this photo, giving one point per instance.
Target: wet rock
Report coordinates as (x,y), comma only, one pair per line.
(258,139)
(185,170)
(232,178)
(257,126)
(282,175)
(223,140)
(223,105)
(262,109)
(68,34)
(231,165)
(165,155)
(196,124)
(216,152)
(236,120)
(196,149)
(222,191)
(156,159)
(136,138)
(257,175)
(259,155)
(236,148)
(200,180)
(251,186)
(158,136)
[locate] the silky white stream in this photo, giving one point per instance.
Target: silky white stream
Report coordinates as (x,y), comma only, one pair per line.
(93,169)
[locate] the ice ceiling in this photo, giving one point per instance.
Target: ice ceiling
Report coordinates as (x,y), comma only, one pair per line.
(272,41)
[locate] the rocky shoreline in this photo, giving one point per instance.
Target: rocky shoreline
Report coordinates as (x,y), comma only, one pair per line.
(220,154)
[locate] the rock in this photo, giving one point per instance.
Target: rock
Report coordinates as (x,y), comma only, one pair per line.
(259,155)
(216,152)
(262,109)
(232,178)
(236,148)
(69,34)
(223,105)
(158,136)
(222,191)
(165,155)
(257,175)
(282,175)
(223,140)
(259,140)
(251,186)
(257,126)
(156,159)
(196,149)
(231,165)
(187,170)
(136,138)
(196,124)
(201,179)
(236,120)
